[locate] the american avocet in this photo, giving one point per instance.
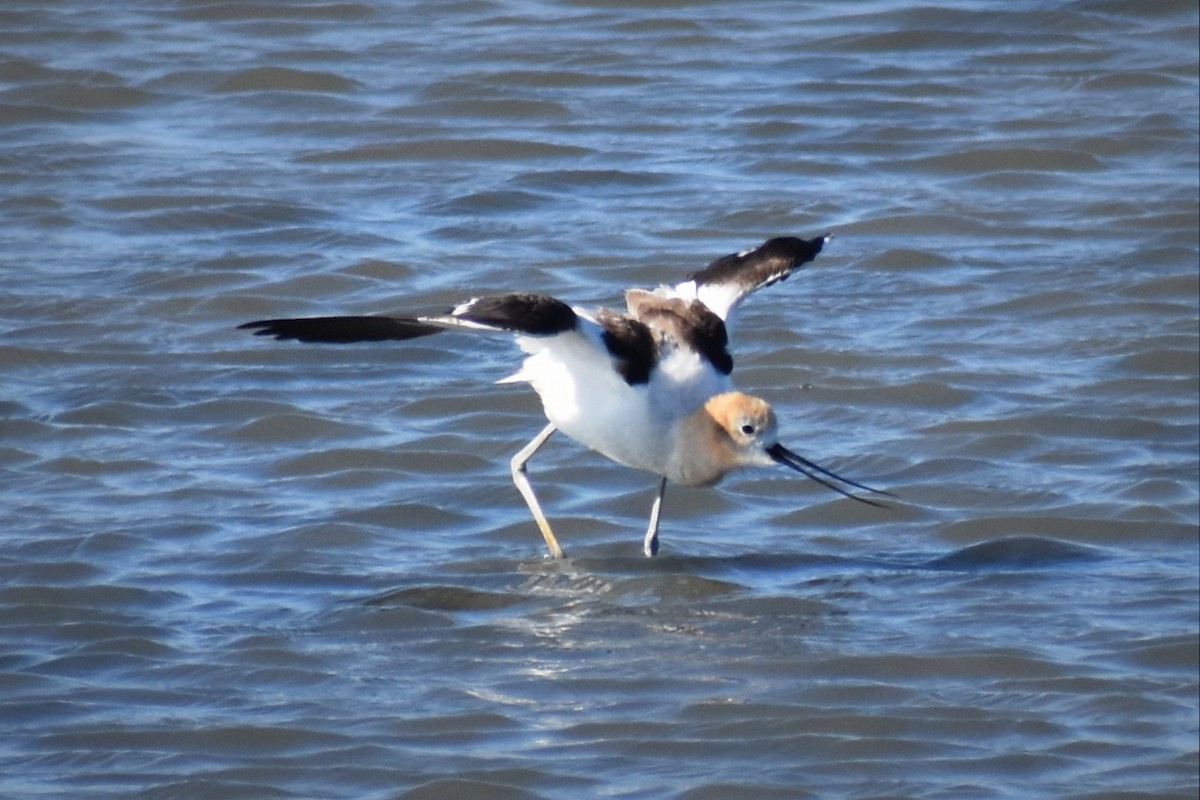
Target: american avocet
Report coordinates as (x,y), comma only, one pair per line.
(649,388)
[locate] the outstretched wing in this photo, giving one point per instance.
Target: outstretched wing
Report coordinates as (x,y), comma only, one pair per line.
(626,344)
(342,330)
(532,314)
(725,282)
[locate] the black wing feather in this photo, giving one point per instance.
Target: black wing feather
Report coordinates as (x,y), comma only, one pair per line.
(773,260)
(518,312)
(343,330)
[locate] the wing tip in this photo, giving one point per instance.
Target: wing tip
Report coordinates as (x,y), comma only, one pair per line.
(341,330)
(265,327)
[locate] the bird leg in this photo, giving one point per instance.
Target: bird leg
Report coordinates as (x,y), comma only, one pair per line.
(650,545)
(519,478)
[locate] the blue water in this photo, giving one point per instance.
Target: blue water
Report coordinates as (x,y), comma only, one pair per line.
(233,567)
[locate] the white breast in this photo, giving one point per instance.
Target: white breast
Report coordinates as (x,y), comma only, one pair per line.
(590,402)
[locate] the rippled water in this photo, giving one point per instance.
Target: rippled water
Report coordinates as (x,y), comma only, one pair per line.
(240,568)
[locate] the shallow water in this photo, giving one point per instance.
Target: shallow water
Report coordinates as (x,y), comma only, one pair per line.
(240,568)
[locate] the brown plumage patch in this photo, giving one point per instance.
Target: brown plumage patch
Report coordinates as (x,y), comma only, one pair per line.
(689,323)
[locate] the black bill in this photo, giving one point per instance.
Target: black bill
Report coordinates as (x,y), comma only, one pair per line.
(823,476)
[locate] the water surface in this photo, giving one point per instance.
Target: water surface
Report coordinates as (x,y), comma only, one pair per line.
(239,568)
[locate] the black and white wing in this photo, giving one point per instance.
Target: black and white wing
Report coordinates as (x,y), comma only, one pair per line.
(624,344)
(532,314)
(725,282)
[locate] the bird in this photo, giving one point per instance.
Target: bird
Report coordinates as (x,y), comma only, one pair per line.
(648,387)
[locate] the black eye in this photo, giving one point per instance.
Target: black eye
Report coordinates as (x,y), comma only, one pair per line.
(747,429)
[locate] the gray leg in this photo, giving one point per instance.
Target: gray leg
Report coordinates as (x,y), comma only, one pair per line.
(518,473)
(650,545)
